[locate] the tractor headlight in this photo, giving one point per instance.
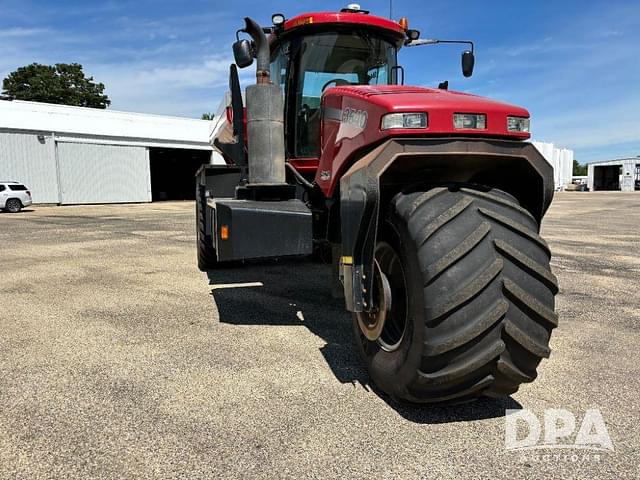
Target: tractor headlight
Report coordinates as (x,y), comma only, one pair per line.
(518,124)
(404,120)
(469,121)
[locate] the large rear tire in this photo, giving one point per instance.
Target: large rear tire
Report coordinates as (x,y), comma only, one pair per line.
(206,253)
(477,309)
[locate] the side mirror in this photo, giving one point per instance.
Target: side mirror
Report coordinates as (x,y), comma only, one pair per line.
(468,61)
(242,53)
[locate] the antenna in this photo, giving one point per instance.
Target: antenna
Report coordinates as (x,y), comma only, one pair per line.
(390,8)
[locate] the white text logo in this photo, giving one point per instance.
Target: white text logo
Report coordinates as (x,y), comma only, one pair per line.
(557,429)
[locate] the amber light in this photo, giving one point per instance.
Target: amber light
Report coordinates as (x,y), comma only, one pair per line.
(404,23)
(224,232)
(303,21)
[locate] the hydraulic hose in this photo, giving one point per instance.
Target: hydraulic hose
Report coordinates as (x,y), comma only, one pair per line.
(301,180)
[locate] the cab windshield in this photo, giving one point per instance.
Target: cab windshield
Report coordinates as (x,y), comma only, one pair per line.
(325,60)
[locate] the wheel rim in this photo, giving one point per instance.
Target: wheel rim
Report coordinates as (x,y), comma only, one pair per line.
(372,323)
(12,205)
(395,324)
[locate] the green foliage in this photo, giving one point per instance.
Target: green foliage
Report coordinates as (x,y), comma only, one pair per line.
(207,116)
(62,83)
(579,170)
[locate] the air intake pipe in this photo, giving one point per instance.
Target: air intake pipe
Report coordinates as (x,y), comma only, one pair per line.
(265,118)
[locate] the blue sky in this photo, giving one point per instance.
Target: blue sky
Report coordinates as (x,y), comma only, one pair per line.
(573,64)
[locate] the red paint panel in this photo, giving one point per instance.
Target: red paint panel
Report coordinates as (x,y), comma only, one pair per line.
(344,18)
(340,140)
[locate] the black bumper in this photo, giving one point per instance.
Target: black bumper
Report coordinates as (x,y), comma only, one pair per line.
(246,229)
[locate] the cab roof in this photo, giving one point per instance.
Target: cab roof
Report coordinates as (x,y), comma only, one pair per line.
(344,18)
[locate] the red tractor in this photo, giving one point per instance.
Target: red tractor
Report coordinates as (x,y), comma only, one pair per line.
(418,192)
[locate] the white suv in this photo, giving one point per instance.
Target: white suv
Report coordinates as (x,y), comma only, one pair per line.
(14,196)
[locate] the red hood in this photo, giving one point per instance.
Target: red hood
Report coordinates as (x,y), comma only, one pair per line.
(405,98)
(440,105)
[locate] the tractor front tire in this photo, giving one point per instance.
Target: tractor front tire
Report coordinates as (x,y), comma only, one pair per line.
(476,310)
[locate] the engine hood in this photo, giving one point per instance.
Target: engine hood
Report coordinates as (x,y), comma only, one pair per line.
(440,105)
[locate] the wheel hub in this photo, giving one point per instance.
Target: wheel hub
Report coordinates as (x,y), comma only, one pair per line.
(372,323)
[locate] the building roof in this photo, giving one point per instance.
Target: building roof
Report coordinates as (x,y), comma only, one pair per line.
(99,126)
(615,161)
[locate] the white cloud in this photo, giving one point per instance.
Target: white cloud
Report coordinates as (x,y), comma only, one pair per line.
(178,90)
(21,32)
(172,74)
(599,125)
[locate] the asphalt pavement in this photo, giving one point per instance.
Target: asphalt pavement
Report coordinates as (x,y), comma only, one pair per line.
(119,359)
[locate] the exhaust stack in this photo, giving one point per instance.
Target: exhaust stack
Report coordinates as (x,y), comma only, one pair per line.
(265,118)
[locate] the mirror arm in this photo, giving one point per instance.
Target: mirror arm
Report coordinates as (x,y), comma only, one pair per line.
(464,42)
(434,41)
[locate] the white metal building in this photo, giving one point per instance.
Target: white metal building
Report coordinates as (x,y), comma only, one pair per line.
(620,174)
(561,159)
(70,155)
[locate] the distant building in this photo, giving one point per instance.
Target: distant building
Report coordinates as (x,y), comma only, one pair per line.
(620,174)
(71,155)
(561,159)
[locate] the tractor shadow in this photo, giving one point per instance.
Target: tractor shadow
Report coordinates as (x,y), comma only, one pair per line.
(293,293)
(297,292)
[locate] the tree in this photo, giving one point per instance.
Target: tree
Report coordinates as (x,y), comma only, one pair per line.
(62,83)
(579,170)
(207,116)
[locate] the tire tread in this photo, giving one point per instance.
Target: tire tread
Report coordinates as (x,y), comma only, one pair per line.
(486,334)
(205,252)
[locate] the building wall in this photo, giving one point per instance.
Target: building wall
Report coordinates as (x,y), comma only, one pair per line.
(91,173)
(70,154)
(590,172)
(561,159)
(565,166)
(627,177)
(627,182)
(26,158)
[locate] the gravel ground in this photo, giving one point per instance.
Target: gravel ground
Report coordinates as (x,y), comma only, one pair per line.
(119,359)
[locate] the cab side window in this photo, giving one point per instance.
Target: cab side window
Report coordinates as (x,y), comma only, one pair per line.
(2,188)
(278,67)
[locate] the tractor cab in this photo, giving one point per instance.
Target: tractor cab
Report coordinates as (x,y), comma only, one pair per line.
(312,53)
(308,56)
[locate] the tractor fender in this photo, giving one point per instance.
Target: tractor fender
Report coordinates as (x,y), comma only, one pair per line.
(402,163)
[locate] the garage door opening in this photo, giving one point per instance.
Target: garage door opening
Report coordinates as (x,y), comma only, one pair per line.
(607,177)
(173,172)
